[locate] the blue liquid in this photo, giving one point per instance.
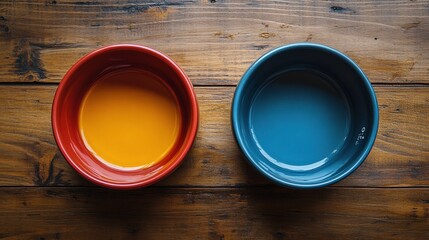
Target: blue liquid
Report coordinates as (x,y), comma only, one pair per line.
(299,120)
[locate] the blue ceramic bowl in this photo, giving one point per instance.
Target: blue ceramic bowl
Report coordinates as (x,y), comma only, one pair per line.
(305,115)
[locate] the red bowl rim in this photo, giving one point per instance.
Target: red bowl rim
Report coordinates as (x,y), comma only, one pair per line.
(187,144)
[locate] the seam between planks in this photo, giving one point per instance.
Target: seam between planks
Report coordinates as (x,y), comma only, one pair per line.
(27,84)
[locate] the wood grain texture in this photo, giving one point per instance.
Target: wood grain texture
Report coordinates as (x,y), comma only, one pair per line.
(258,213)
(29,156)
(214,41)
(215,194)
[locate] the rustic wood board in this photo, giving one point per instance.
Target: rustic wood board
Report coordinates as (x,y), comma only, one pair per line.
(29,156)
(253,213)
(215,194)
(214,41)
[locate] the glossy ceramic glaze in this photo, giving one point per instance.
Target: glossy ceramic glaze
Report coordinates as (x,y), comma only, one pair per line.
(125,60)
(130,119)
(305,115)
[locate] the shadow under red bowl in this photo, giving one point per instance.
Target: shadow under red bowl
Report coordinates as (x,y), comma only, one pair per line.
(78,81)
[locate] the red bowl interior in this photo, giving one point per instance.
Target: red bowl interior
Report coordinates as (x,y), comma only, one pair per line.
(78,80)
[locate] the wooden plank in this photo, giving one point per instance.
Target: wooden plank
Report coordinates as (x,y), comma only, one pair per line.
(214,41)
(258,213)
(29,156)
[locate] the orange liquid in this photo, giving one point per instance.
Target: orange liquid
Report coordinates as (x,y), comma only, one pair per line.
(129,119)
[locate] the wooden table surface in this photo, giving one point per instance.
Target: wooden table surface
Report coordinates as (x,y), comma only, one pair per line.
(215,194)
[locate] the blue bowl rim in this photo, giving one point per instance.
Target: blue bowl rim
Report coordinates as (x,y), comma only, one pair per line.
(239,92)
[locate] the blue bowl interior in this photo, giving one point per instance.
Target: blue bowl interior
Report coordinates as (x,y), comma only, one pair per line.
(305,115)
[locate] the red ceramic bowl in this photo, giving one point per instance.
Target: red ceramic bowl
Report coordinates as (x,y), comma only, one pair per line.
(76,83)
